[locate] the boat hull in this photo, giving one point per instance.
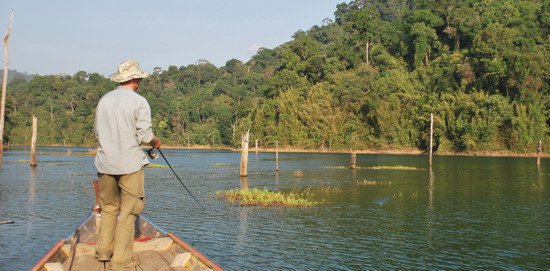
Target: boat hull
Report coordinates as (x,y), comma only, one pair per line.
(155,249)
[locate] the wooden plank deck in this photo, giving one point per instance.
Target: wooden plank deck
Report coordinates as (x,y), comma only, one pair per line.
(157,254)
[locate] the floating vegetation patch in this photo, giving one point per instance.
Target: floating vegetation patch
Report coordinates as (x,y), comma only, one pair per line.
(398,167)
(156,166)
(220,165)
(83,174)
(338,167)
(91,152)
(20,161)
(298,174)
(372,183)
(413,195)
(537,187)
(265,198)
(343,167)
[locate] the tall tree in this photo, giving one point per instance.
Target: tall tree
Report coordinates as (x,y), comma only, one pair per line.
(4,86)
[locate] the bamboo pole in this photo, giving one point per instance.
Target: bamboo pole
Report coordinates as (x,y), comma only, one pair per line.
(34,163)
(277,155)
(539,153)
(4,85)
(353,160)
(431,137)
(244,154)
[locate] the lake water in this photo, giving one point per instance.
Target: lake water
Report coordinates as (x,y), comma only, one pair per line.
(467,213)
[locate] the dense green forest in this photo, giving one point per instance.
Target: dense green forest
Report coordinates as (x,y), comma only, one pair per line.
(368,78)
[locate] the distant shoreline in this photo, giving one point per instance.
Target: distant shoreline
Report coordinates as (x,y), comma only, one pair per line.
(504,153)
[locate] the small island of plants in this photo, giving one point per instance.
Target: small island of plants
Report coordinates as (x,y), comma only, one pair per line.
(156,166)
(264,198)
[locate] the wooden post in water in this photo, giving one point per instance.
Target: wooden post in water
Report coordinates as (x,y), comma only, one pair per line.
(34,163)
(244,155)
(353,160)
(277,155)
(431,137)
(256,149)
(4,85)
(539,153)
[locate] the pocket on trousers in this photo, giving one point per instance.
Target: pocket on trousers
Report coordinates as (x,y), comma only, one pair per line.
(138,207)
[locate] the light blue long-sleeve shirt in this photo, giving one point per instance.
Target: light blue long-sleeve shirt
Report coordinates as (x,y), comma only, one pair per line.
(122,123)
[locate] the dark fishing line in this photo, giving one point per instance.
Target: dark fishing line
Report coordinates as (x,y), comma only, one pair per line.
(170,166)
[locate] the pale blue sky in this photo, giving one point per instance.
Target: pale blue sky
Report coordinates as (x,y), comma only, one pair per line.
(66,36)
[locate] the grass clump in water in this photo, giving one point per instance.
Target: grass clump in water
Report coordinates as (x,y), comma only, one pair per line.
(340,167)
(398,167)
(264,198)
(20,161)
(298,174)
(91,152)
(372,183)
(156,166)
(220,165)
(538,188)
(343,167)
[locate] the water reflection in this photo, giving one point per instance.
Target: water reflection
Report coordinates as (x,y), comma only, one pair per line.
(540,178)
(430,213)
(240,245)
(431,189)
(31,197)
(242,238)
(277,180)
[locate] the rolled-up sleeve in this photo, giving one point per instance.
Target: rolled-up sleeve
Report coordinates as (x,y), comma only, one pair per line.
(144,128)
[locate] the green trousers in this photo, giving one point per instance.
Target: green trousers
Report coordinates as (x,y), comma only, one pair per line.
(122,196)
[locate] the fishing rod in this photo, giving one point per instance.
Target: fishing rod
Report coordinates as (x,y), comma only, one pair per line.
(154,156)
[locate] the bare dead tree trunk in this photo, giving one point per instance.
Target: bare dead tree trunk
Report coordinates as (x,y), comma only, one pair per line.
(4,85)
(256,146)
(33,141)
(244,155)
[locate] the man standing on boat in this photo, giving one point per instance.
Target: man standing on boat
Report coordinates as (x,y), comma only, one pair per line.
(122,124)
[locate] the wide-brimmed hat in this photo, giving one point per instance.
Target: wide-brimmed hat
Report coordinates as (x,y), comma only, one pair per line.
(127,71)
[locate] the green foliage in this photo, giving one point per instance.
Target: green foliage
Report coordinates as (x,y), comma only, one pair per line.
(265,198)
(480,67)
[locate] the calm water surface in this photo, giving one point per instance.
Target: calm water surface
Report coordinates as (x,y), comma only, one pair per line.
(467,213)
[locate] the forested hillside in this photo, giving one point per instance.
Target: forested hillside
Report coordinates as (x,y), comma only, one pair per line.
(13,74)
(368,78)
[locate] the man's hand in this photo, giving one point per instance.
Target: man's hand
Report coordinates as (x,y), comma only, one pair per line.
(155,142)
